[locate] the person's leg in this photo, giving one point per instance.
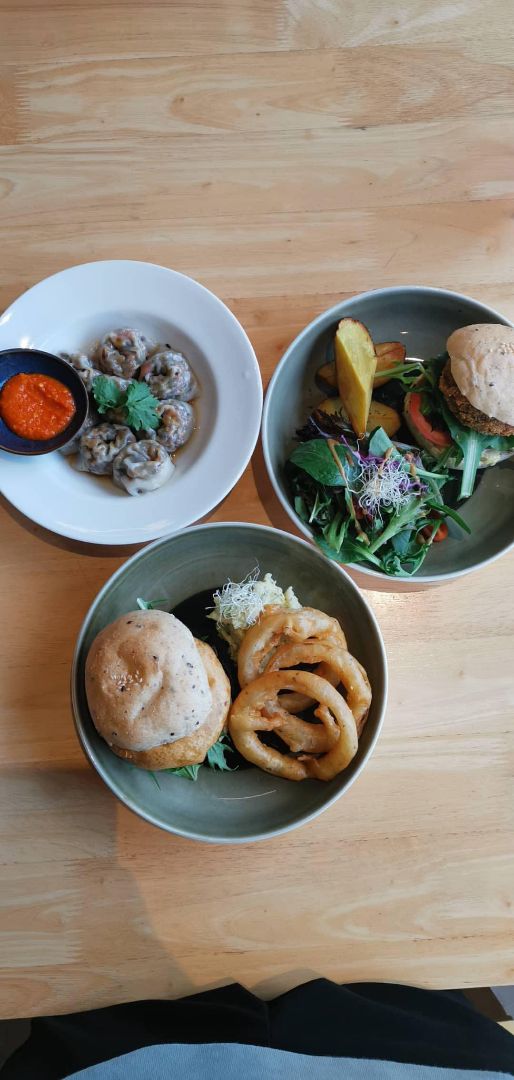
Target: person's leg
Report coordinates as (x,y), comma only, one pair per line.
(388,1022)
(59,1045)
(374,1021)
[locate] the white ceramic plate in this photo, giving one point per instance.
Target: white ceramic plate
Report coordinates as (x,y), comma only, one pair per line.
(68,312)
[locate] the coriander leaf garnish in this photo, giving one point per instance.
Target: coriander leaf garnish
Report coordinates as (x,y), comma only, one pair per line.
(140,407)
(106,394)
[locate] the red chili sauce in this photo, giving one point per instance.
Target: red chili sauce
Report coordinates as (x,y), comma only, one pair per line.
(36,406)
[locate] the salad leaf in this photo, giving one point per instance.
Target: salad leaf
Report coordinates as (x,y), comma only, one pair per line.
(448,511)
(413,509)
(336,530)
(379,443)
(189,772)
(401,542)
(215,760)
(216,755)
(106,394)
(314,503)
(321,502)
(472,444)
(405,565)
(432,369)
(316,459)
(301,508)
(405,373)
(149,605)
(350,551)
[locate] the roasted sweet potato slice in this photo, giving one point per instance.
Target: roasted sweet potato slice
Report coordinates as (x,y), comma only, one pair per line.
(326,377)
(389,353)
(379,415)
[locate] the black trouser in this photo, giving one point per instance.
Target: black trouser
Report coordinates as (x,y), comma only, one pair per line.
(364,1020)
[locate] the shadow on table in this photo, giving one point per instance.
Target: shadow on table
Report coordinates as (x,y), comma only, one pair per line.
(78,546)
(274,509)
(80,933)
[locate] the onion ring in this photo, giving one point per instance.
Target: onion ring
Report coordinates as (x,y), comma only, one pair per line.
(337,666)
(257,708)
(296,703)
(280,628)
(302,735)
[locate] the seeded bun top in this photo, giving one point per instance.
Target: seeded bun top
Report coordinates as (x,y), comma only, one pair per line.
(482,365)
(145,681)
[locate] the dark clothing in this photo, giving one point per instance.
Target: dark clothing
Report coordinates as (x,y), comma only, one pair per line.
(363,1020)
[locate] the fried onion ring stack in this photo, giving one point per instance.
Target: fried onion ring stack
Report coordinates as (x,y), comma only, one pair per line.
(275,689)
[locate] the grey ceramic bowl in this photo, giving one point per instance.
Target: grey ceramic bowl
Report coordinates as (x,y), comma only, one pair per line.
(248,804)
(422,318)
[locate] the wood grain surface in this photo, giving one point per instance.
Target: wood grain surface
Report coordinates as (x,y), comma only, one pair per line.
(287,153)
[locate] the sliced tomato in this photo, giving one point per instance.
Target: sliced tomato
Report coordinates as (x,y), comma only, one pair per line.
(431,434)
(441,533)
(426,534)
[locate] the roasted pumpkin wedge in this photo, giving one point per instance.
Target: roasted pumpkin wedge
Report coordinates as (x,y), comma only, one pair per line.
(388,353)
(356,364)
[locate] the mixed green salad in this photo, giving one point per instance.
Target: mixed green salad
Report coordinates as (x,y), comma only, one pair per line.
(373,502)
(379,501)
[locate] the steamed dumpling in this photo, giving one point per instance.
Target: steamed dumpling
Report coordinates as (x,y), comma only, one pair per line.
(121,353)
(92,420)
(84,367)
(177,421)
(142,466)
(169,375)
(100,446)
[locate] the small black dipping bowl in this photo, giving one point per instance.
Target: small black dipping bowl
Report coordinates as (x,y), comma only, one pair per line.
(34,362)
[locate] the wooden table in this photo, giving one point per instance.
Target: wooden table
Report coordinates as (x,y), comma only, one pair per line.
(286,154)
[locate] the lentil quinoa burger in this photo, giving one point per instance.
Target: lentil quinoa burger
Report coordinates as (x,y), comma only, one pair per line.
(478,378)
(158,697)
(467,415)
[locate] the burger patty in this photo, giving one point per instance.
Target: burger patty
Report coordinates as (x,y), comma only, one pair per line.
(466,412)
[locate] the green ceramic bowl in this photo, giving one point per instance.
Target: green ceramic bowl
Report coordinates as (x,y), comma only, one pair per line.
(248,804)
(421,318)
